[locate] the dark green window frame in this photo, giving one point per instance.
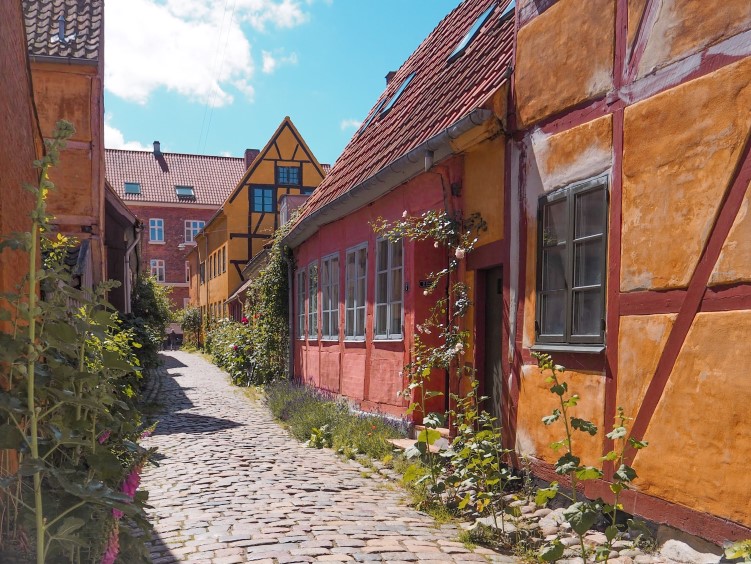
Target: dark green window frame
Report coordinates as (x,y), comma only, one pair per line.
(572,265)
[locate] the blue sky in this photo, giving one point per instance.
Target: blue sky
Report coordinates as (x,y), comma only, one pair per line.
(217,76)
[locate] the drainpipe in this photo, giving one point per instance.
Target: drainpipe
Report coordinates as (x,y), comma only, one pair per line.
(290,319)
(126,278)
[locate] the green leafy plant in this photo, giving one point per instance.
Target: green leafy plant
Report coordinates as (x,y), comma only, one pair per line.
(740,549)
(582,513)
(320,438)
(478,459)
(151,313)
(445,350)
(190,322)
(622,478)
(230,344)
(68,411)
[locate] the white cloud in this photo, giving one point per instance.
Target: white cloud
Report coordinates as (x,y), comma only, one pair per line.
(114,138)
(271,62)
(196,48)
(349,124)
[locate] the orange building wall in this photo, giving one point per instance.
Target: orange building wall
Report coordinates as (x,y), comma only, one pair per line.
(75,93)
(671,129)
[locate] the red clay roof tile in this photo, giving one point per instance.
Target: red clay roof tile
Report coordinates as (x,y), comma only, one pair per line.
(79,38)
(440,94)
(213,178)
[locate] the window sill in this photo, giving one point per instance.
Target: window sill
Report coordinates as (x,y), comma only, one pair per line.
(329,339)
(552,347)
(157,243)
(354,339)
(388,339)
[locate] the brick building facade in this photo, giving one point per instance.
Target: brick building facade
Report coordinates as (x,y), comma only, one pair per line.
(173,195)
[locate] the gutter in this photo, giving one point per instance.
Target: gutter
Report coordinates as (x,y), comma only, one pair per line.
(388,178)
(290,320)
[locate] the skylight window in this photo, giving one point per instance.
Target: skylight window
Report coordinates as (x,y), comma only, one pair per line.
(398,93)
(508,11)
(132,188)
(467,39)
(372,116)
(185,192)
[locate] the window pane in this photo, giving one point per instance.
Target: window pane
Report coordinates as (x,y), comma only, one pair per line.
(335,322)
(360,292)
(552,313)
(587,312)
(381,288)
(360,321)
(335,271)
(590,214)
(350,322)
(588,263)
(554,268)
(381,312)
(382,255)
(361,263)
(554,223)
(396,319)
(396,285)
(396,254)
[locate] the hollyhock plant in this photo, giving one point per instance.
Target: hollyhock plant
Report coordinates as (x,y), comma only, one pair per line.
(244,320)
(113,547)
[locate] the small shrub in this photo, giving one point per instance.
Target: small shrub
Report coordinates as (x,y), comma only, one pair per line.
(229,344)
(190,322)
(150,316)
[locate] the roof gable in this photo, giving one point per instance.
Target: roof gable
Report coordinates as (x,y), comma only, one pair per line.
(273,151)
(441,92)
(64,28)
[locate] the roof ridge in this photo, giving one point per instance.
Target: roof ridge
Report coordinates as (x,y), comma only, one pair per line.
(150,152)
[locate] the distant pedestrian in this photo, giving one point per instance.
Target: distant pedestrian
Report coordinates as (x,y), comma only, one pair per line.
(171,339)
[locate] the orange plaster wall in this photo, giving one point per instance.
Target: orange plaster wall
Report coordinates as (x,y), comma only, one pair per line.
(533,438)
(64,95)
(575,154)
(684,27)
(674,176)
(734,264)
(564,57)
(641,339)
(72,179)
(688,460)
(483,187)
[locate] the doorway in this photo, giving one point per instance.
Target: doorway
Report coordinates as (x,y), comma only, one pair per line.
(492,373)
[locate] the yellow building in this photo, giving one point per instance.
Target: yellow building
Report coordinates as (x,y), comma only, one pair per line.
(250,215)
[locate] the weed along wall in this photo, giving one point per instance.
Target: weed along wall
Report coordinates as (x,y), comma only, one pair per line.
(632,162)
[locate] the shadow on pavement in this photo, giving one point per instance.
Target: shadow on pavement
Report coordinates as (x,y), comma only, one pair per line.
(192,423)
(171,362)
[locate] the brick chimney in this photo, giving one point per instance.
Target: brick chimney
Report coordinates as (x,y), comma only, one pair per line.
(389,76)
(157,149)
(250,156)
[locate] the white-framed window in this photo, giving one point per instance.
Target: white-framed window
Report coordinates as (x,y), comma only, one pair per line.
(156,230)
(313,300)
(157,269)
(330,297)
(187,271)
(355,291)
(301,280)
(192,228)
(389,281)
(224,259)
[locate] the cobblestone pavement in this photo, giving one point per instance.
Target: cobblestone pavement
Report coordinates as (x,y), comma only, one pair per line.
(232,486)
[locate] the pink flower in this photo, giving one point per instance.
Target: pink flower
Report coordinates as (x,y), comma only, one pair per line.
(460,254)
(404,214)
(113,547)
(234,347)
(244,320)
(104,436)
(435,244)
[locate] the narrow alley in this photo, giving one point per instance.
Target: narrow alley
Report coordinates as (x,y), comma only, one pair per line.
(232,486)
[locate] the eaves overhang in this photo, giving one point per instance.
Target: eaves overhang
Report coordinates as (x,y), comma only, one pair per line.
(389,177)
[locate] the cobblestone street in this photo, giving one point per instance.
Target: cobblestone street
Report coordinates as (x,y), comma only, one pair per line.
(232,486)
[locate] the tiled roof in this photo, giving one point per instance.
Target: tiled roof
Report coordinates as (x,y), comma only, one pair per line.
(80,37)
(212,178)
(440,94)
